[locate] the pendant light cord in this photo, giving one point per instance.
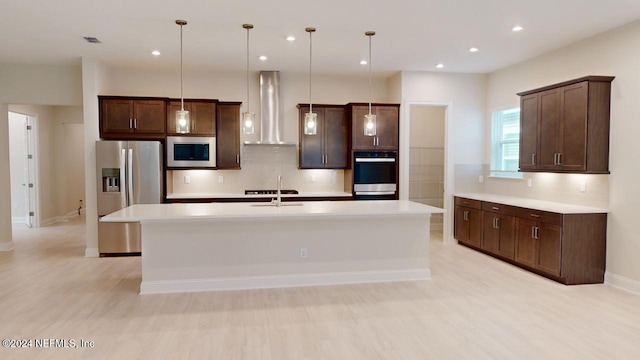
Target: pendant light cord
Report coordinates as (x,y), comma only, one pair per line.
(310,60)
(181,93)
(248,101)
(370,74)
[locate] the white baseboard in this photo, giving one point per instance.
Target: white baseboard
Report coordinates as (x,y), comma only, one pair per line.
(6,246)
(18,220)
(281,281)
(91,252)
(622,282)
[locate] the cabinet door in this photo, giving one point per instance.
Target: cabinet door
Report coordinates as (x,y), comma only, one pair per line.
(228,139)
(172,107)
(387,118)
(507,229)
(574,127)
(490,232)
(116,116)
(312,146)
(360,141)
(549,240)
(549,130)
(149,116)
(525,242)
(336,138)
(475,227)
(203,118)
(528,132)
(461,225)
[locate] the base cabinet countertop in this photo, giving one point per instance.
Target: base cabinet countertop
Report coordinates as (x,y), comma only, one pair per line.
(564,242)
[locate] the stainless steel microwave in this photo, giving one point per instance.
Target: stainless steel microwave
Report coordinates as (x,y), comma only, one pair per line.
(190,151)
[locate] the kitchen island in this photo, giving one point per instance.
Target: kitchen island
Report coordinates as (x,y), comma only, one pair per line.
(224,246)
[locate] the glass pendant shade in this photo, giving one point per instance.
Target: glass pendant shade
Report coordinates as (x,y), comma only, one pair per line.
(183,124)
(310,123)
(248,122)
(370,125)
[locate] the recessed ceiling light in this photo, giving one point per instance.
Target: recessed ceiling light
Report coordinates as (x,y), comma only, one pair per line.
(517,28)
(155,53)
(440,66)
(474,49)
(262,58)
(363,62)
(291,38)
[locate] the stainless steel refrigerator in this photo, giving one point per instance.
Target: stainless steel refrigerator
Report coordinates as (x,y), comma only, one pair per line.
(128,173)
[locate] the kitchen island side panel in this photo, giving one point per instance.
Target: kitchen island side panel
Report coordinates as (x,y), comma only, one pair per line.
(223,254)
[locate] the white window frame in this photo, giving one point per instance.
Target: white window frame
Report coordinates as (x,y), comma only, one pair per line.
(496,165)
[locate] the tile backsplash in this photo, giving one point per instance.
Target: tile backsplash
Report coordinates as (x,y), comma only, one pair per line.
(260,168)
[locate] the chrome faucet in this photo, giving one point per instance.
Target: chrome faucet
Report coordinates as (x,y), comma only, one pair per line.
(278,200)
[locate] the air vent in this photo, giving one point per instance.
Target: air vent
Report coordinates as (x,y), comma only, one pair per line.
(92,40)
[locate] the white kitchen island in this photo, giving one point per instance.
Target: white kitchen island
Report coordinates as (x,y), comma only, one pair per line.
(224,246)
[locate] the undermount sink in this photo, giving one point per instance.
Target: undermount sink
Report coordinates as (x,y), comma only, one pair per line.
(282,204)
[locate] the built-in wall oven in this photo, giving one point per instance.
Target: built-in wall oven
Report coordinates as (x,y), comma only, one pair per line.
(375,175)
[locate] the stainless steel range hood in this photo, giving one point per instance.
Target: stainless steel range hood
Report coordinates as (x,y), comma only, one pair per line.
(271,111)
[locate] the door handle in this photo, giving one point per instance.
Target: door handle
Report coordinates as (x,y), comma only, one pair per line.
(533,159)
(123,178)
(130,123)
(559,158)
(465,216)
(135,123)
(496,223)
(237,158)
(537,232)
(130,177)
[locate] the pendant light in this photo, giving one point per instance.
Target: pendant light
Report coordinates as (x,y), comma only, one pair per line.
(248,118)
(370,119)
(183,125)
(310,118)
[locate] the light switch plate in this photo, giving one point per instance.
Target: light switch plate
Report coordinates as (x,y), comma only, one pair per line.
(583,186)
(220,179)
(187,179)
(481,178)
(529,182)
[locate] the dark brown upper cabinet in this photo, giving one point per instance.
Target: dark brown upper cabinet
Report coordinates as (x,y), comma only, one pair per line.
(329,148)
(202,114)
(131,118)
(387,122)
(228,135)
(565,127)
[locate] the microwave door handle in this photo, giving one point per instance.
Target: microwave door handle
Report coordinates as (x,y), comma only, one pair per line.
(123,193)
(130,177)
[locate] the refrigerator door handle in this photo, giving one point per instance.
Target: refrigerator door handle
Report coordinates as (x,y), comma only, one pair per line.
(123,193)
(130,178)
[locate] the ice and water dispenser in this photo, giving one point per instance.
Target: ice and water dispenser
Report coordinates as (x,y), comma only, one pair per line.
(110,180)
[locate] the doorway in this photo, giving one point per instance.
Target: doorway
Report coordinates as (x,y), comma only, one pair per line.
(425,170)
(22,147)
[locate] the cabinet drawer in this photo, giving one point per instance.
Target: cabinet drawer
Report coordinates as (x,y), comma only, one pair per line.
(474,204)
(542,216)
(499,208)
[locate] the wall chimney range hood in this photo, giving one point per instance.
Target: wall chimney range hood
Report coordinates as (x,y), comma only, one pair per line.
(271,111)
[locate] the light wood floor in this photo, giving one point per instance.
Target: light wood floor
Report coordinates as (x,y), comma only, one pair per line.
(475,307)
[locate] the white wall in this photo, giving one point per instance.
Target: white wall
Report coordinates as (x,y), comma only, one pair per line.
(17,152)
(613,53)
(6,241)
(464,98)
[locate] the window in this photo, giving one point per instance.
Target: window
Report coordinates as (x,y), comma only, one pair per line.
(505,143)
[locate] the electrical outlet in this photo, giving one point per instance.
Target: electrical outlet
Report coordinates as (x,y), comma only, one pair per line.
(313,178)
(187,179)
(529,182)
(583,186)
(220,179)
(303,253)
(481,178)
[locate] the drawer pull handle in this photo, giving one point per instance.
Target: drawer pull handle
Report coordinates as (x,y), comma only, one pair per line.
(535,215)
(465,202)
(495,208)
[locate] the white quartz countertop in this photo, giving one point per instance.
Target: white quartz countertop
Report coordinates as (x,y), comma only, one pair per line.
(339,209)
(229,195)
(534,204)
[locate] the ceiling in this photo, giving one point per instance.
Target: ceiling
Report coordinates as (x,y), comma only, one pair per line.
(412,35)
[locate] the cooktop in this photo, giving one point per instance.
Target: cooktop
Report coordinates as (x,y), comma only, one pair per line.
(270,192)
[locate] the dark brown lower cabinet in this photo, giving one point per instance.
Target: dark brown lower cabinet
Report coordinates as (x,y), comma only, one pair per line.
(568,248)
(468,222)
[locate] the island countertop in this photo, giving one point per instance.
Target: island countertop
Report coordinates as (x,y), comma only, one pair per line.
(146,212)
